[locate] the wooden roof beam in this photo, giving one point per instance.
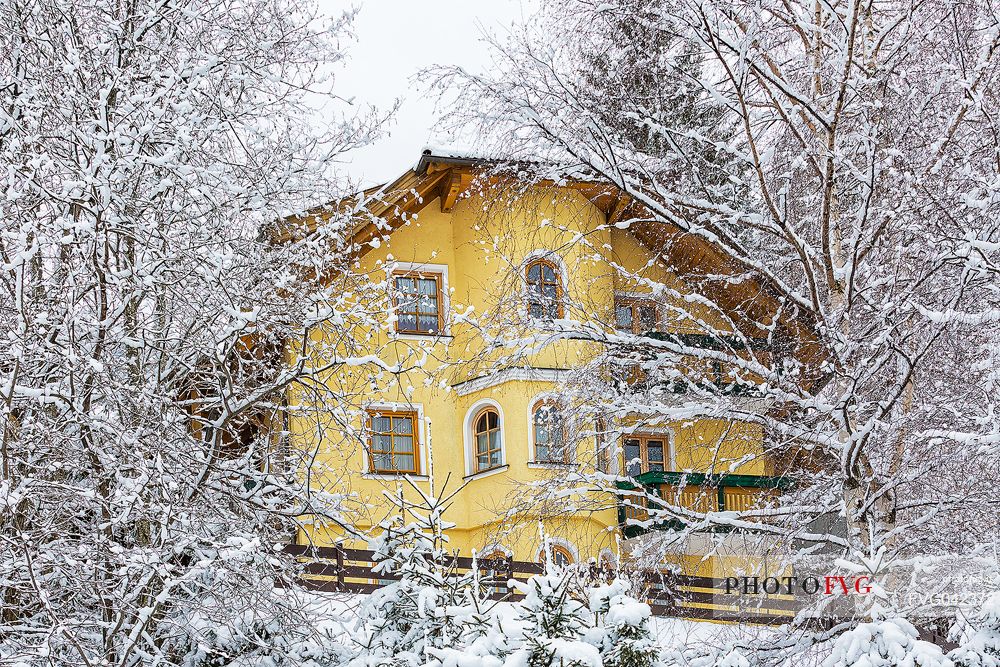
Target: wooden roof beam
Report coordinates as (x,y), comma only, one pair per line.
(454,185)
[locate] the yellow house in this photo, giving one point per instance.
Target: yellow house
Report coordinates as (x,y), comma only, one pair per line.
(464,270)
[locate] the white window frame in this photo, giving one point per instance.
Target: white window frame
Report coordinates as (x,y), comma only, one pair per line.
(470,439)
(420,429)
(560,542)
(395,267)
(555,258)
(552,397)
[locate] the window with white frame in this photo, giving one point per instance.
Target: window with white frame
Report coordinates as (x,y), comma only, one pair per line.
(550,432)
(393,442)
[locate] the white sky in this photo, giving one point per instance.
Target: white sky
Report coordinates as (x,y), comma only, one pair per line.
(395,40)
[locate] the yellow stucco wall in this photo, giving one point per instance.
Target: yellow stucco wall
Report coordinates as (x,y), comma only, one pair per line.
(483,245)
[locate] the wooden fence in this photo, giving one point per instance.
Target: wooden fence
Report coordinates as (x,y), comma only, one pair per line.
(335,569)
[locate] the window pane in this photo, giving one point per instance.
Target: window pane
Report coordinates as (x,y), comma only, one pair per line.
(535,309)
(494,419)
(647,317)
(406,303)
(623,317)
(549,291)
(483,462)
(533,272)
(548,275)
(632,454)
(427,306)
(427,286)
(403,461)
(427,323)
(403,425)
(656,467)
(495,458)
(542,453)
(404,444)
(654,450)
(381,424)
(542,435)
(481,423)
(495,440)
(481,442)
(381,443)
(405,285)
(382,462)
(407,323)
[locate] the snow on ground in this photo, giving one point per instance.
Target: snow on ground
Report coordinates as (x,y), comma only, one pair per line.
(339,612)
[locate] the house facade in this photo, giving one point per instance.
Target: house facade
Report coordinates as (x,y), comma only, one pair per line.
(465,277)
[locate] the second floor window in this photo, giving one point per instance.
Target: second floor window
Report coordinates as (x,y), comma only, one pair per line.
(551,442)
(486,434)
(544,290)
(418,303)
(644,454)
(637,316)
(393,442)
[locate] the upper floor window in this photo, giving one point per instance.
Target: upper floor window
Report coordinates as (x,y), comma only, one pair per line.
(393,442)
(550,433)
(486,436)
(544,290)
(638,316)
(603,462)
(418,303)
(644,454)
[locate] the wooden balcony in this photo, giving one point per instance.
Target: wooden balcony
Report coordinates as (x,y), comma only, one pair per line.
(700,492)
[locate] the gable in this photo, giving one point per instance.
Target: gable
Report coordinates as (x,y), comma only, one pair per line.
(445,182)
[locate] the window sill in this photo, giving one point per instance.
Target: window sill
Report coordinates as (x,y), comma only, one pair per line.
(486,473)
(551,464)
(391,475)
(445,337)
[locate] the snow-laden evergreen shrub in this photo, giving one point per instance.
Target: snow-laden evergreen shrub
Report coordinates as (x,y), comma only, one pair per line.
(981,647)
(886,641)
(405,619)
(552,625)
(622,634)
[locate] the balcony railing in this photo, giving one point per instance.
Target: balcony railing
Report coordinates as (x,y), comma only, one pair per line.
(700,492)
(714,377)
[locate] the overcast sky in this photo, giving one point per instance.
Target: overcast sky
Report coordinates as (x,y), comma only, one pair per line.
(395,39)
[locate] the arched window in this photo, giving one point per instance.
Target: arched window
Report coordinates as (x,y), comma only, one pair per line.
(550,433)
(561,556)
(494,569)
(486,435)
(544,290)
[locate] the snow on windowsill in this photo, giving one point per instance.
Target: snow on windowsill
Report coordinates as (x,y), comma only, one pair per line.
(552,464)
(486,473)
(391,475)
(444,338)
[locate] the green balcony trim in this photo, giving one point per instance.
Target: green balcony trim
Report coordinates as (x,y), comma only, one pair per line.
(709,342)
(708,479)
(721,481)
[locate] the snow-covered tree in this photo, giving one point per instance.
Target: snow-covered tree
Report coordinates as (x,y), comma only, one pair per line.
(422,610)
(981,646)
(623,633)
(147,149)
(553,624)
(847,228)
(885,641)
